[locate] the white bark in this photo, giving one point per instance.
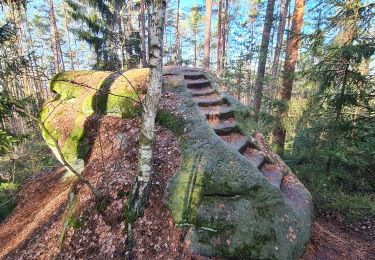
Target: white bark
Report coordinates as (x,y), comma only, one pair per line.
(150,106)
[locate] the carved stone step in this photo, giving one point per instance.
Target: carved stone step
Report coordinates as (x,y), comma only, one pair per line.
(198,83)
(218,112)
(203,91)
(273,174)
(236,140)
(194,75)
(255,156)
(222,127)
(211,100)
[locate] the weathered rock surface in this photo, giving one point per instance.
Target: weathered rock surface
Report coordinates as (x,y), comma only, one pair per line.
(235,195)
(238,197)
(81,94)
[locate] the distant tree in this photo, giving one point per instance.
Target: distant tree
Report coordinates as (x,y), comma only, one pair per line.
(195,17)
(207,35)
(291,56)
(263,58)
(55,40)
(176,51)
(219,36)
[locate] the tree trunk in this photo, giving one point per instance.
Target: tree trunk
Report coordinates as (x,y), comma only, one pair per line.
(68,37)
(149,28)
(195,47)
(143,28)
(284,6)
(263,58)
(150,105)
(219,50)
(176,43)
(207,35)
(291,55)
(55,40)
(224,35)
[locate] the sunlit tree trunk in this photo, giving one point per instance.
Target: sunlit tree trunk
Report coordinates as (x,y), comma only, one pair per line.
(291,56)
(68,37)
(263,58)
(195,46)
(207,35)
(284,6)
(55,40)
(224,35)
(143,38)
(177,37)
(150,105)
(219,36)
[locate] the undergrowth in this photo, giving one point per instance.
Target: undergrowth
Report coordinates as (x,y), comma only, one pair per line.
(17,166)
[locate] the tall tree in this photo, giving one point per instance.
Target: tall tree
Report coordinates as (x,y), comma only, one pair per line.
(194,21)
(291,56)
(66,24)
(224,34)
(207,35)
(150,105)
(219,36)
(143,29)
(263,58)
(55,40)
(284,6)
(176,51)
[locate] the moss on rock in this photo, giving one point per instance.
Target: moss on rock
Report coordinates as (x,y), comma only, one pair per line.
(79,95)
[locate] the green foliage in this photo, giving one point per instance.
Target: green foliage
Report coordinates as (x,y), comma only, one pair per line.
(171,122)
(8,191)
(27,158)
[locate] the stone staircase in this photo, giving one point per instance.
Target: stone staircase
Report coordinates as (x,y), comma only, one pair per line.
(220,117)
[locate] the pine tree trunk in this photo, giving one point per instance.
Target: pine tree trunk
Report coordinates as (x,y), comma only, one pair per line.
(176,43)
(291,55)
(195,47)
(55,40)
(263,58)
(224,33)
(143,38)
(150,105)
(68,37)
(219,48)
(207,35)
(284,6)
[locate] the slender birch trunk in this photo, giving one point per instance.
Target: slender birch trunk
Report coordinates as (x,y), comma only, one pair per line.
(150,106)
(143,31)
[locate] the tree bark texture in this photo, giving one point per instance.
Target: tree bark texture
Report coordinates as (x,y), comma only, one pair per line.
(291,56)
(150,105)
(207,35)
(219,48)
(263,58)
(55,40)
(176,55)
(284,5)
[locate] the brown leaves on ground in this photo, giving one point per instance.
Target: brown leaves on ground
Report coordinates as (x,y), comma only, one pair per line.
(99,231)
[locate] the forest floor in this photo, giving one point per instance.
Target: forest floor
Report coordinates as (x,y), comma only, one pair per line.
(96,227)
